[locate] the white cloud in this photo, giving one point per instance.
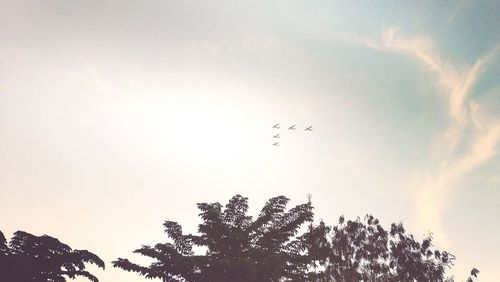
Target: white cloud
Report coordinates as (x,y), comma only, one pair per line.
(479,145)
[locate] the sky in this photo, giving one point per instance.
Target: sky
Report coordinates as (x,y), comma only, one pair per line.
(118,115)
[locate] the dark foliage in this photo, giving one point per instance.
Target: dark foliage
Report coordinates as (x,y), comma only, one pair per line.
(42,258)
(362,250)
(473,274)
(269,248)
(238,247)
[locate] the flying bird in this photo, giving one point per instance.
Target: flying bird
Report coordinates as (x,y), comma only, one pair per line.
(276,136)
(292,127)
(277,126)
(276,144)
(310,128)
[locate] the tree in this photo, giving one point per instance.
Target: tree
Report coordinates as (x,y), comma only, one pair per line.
(42,258)
(362,250)
(238,248)
(269,248)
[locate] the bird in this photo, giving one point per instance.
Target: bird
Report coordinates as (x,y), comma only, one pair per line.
(276,144)
(309,128)
(276,136)
(277,126)
(291,127)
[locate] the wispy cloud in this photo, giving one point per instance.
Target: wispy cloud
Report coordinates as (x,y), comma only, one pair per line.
(460,6)
(475,134)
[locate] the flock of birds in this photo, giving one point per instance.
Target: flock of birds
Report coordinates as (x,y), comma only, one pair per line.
(292,127)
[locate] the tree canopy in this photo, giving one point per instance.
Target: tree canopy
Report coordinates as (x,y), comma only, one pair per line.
(42,258)
(269,248)
(362,250)
(238,247)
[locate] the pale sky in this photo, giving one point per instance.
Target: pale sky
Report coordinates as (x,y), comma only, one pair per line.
(118,115)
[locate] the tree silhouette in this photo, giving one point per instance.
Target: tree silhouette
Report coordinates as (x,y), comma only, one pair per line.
(269,248)
(42,258)
(362,250)
(238,248)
